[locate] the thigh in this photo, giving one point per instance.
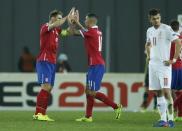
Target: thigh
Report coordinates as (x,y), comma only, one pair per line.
(165,74)
(154,83)
(89,77)
(94,77)
(44,72)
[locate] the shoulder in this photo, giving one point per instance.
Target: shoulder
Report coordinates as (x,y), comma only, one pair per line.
(99,30)
(166,27)
(150,29)
(96,31)
(44,25)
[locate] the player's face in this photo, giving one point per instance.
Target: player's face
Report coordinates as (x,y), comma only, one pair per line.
(58,17)
(87,22)
(155,20)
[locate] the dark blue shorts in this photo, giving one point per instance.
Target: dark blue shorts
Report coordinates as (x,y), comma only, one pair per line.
(176,83)
(46,72)
(94,77)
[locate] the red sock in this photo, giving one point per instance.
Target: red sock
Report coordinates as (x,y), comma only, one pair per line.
(42,102)
(180,110)
(100,96)
(178,100)
(178,103)
(89,107)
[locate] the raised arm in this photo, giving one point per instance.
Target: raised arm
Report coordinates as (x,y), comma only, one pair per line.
(74,23)
(57,23)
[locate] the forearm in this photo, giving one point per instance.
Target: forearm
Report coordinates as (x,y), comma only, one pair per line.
(177,49)
(76,32)
(57,23)
(80,26)
(72,30)
(147,48)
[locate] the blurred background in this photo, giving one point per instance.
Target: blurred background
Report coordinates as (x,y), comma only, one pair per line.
(123,22)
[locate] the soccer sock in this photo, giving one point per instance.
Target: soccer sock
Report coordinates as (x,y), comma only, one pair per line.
(155,102)
(89,107)
(42,102)
(145,96)
(178,103)
(162,107)
(178,100)
(170,110)
(179,110)
(100,96)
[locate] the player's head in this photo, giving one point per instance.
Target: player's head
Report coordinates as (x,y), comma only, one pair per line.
(174,25)
(55,15)
(155,17)
(91,20)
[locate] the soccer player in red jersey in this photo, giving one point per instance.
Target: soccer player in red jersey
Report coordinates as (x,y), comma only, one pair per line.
(176,84)
(93,45)
(46,61)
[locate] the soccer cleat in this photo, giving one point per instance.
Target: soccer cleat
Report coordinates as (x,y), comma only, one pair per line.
(178,119)
(118,111)
(171,123)
(84,119)
(161,123)
(41,117)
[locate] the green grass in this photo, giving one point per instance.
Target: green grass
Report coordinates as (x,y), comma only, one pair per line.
(103,121)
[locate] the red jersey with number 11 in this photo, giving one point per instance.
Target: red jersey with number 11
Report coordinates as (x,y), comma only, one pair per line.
(93,44)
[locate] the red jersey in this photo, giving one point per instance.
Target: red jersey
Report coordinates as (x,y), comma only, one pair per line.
(48,44)
(178,63)
(93,44)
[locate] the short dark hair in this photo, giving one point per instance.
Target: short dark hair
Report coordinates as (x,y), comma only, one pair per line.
(174,25)
(92,15)
(54,13)
(154,11)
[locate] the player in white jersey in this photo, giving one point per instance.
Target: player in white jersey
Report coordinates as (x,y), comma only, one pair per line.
(158,44)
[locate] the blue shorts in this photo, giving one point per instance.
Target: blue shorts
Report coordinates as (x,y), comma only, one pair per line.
(176,83)
(94,77)
(46,72)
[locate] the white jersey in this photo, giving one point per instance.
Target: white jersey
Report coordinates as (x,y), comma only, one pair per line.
(160,40)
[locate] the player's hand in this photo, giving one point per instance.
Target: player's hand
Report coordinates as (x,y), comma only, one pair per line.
(70,16)
(168,63)
(77,16)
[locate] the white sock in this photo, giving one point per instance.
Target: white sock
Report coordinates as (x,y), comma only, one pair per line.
(170,116)
(162,107)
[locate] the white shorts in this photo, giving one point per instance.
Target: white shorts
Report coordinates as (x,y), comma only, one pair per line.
(159,77)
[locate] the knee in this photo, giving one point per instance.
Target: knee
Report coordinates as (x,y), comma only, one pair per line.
(89,92)
(47,87)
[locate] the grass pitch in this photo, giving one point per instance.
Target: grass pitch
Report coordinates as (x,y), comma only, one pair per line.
(103,121)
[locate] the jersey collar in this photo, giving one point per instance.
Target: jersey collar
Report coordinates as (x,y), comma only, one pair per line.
(95,26)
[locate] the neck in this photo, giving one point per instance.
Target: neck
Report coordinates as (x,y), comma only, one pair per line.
(157,26)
